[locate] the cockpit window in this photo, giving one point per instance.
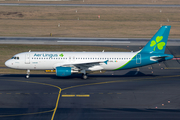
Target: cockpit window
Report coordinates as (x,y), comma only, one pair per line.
(17,58)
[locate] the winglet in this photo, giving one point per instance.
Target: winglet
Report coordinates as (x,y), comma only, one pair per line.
(106,62)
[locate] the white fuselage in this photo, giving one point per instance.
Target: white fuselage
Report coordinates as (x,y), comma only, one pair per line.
(51,60)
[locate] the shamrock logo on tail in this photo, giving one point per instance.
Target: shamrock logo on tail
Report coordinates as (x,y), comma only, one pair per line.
(158,43)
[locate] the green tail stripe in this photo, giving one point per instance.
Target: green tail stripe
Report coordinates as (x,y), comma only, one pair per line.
(127,62)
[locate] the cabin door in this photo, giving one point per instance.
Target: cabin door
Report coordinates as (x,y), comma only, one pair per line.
(27,59)
(138,59)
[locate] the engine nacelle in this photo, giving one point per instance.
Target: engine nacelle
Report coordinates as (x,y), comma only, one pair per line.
(63,71)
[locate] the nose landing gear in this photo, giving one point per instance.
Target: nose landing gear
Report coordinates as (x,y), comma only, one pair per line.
(28,73)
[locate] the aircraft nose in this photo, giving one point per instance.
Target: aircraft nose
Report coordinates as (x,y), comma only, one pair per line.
(7,63)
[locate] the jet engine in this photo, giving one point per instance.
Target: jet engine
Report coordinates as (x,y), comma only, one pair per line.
(63,71)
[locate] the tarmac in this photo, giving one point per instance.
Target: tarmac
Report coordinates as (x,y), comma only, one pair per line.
(152,92)
(90,5)
(82,41)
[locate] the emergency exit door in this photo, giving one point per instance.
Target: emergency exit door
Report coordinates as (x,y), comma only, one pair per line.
(138,59)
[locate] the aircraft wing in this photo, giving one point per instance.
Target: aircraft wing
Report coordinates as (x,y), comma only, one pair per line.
(88,64)
(82,65)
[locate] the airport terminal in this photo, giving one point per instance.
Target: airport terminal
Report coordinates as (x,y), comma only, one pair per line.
(89,59)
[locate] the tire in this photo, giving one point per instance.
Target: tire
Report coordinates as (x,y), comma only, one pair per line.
(27,76)
(85,77)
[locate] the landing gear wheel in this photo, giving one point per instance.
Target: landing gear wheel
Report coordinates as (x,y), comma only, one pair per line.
(84,77)
(27,76)
(28,73)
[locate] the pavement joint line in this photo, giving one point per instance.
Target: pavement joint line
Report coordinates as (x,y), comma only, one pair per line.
(62,94)
(26,113)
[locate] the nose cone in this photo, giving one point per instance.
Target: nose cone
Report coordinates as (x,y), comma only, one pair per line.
(7,63)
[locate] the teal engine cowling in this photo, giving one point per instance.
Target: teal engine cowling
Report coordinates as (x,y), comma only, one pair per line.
(63,71)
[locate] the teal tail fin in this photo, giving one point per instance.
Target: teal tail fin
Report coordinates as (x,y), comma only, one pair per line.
(158,42)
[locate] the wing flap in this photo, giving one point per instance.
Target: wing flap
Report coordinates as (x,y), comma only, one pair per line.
(80,65)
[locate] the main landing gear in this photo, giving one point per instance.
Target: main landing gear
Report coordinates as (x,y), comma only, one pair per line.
(84,76)
(28,73)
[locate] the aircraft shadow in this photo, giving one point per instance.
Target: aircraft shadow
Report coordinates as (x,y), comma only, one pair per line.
(73,76)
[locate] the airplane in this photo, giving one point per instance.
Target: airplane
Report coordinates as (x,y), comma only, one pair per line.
(67,63)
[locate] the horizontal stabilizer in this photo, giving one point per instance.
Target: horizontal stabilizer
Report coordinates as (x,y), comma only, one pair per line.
(161,58)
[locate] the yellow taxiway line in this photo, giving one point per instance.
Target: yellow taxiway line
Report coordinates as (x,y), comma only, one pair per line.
(75,95)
